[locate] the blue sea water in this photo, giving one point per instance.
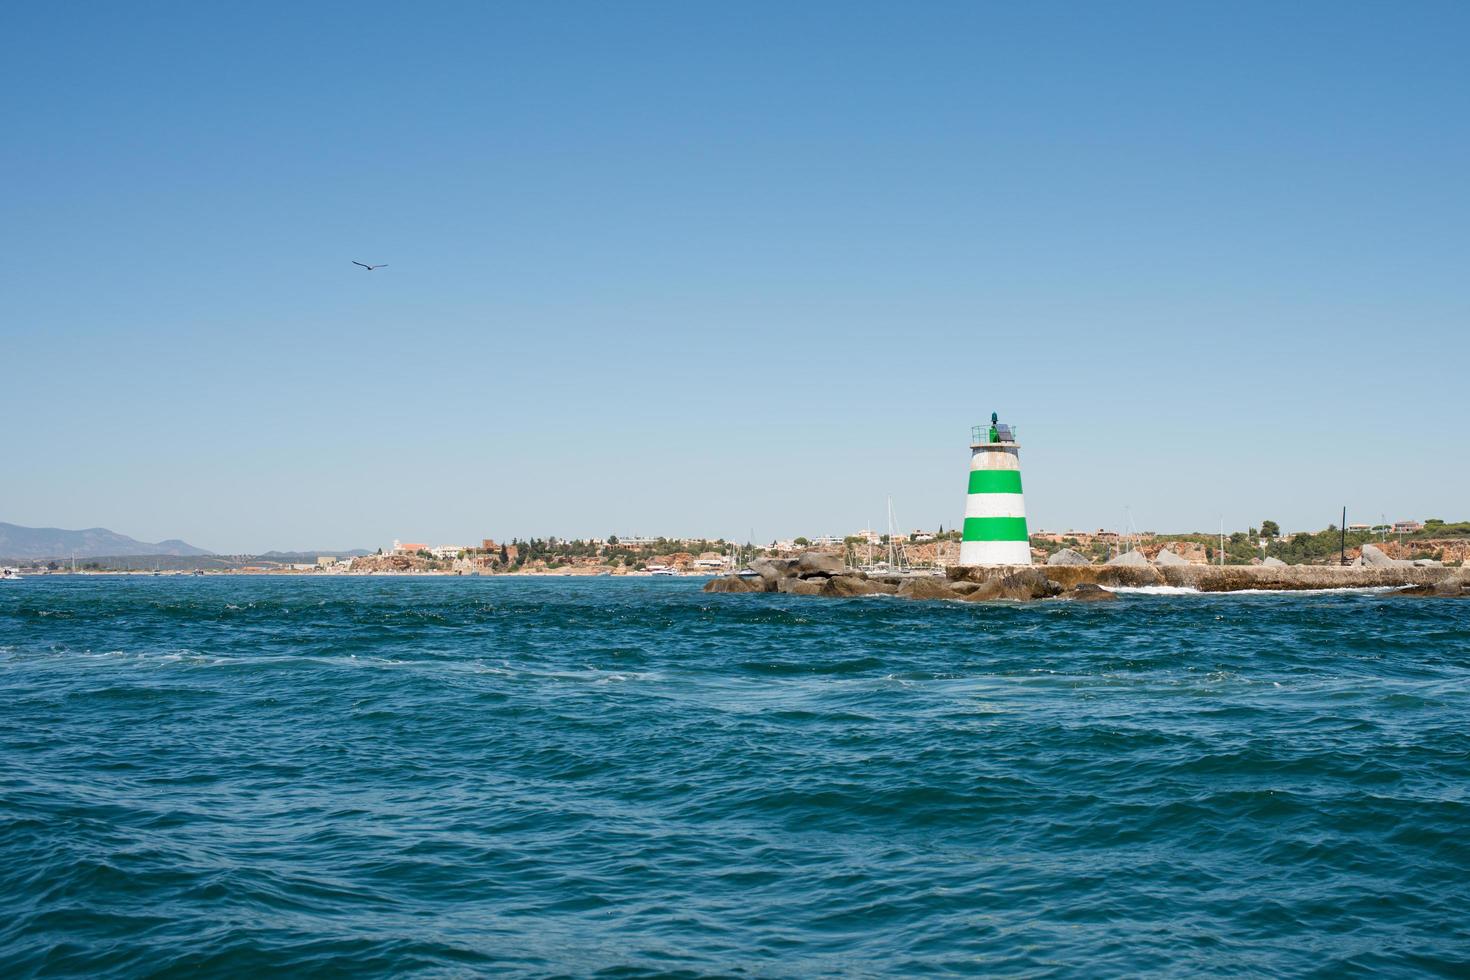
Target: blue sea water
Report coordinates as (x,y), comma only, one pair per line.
(374,777)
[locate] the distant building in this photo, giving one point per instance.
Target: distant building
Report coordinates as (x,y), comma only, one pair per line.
(447,551)
(408,547)
(489,544)
(325,561)
(1407,527)
(826,541)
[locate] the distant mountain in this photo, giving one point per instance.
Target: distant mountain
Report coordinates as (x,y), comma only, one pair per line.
(94,542)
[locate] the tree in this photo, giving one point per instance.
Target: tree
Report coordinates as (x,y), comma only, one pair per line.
(801,542)
(504,556)
(612,540)
(1270,529)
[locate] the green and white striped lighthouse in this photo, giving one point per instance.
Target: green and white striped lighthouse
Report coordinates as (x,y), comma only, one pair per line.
(995,511)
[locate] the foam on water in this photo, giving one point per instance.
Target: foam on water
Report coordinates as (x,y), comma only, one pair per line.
(1190,590)
(379,777)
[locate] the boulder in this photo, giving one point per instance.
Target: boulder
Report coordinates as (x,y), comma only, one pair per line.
(1068,557)
(800,586)
(1427,563)
(1373,557)
(928,588)
(815,564)
(1447,589)
(1139,574)
(849,585)
(1128,559)
(734,583)
(772,569)
(1273,563)
(1167,557)
(1021,586)
(1087,592)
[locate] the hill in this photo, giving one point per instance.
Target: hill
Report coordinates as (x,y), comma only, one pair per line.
(94,542)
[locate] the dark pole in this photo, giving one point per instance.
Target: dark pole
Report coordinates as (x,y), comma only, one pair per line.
(1342,532)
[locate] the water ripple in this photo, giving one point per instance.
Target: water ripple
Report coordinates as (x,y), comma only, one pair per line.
(628,778)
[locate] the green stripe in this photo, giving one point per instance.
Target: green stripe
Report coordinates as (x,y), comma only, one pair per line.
(995,481)
(995,529)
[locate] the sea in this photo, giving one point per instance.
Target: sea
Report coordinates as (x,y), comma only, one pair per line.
(374,777)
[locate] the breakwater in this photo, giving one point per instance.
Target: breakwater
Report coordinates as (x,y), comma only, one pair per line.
(825,575)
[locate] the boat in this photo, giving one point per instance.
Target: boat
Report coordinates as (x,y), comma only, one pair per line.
(9,573)
(662,570)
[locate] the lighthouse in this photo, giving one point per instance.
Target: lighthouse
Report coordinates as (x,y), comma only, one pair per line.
(995,511)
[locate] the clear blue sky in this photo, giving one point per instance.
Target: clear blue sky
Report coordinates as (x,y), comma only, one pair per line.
(692,267)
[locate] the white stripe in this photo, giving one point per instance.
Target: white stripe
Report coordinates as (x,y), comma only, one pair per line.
(995,553)
(995,505)
(983,459)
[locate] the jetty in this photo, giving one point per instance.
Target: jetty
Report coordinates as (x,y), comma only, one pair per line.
(814,574)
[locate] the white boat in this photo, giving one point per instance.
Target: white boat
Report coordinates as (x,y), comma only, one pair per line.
(9,573)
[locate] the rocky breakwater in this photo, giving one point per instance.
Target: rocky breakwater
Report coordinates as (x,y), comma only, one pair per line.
(826,575)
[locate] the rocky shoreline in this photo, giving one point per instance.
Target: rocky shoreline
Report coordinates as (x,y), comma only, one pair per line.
(826,575)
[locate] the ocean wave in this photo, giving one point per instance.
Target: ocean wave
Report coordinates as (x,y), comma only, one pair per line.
(555,777)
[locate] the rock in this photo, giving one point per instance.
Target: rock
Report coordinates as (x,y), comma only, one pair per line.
(800,586)
(1427,563)
(1128,559)
(1087,592)
(964,588)
(1141,574)
(928,588)
(1374,557)
(1021,586)
(772,569)
(1167,557)
(732,584)
(849,585)
(1068,557)
(1440,590)
(814,564)
(1273,563)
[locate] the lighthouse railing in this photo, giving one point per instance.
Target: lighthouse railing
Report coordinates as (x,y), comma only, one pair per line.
(981,435)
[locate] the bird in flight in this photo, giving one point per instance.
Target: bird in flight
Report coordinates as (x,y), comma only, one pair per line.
(370,268)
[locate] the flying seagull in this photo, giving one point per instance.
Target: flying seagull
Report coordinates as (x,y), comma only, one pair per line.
(370,268)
